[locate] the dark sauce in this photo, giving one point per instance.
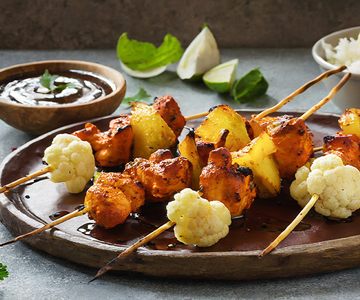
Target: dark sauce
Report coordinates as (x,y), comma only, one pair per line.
(26,89)
(255,230)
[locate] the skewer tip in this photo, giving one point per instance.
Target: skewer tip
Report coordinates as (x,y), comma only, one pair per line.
(104,269)
(8,242)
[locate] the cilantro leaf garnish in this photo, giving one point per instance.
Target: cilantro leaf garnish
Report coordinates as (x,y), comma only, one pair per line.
(48,81)
(142,55)
(141,96)
(3,271)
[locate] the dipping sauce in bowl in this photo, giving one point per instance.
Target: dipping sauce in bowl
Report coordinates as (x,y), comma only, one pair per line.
(73,86)
(69,92)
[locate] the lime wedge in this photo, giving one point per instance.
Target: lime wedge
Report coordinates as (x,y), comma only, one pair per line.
(222,77)
(144,73)
(201,55)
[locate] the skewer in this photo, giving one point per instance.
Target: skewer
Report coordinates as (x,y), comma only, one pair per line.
(109,266)
(24,179)
(292,225)
(79,212)
(49,169)
(315,197)
(298,92)
(327,98)
(197,116)
(203,114)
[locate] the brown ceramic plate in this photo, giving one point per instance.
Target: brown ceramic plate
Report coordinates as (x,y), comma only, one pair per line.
(317,244)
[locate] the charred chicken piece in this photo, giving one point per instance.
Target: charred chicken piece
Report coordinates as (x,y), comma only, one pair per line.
(293,141)
(161,175)
(112,147)
(112,198)
(344,146)
(222,181)
(169,110)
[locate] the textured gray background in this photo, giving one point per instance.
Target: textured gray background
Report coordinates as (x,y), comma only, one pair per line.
(81,24)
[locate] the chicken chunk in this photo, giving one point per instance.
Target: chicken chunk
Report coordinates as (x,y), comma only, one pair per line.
(112,147)
(112,198)
(227,183)
(161,175)
(293,141)
(169,110)
(344,146)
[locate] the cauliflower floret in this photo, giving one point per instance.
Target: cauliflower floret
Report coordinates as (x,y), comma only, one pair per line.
(71,161)
(198,221)
(338,186)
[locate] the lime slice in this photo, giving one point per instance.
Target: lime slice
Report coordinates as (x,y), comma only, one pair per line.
(221,78)
(144,73)
(201,55)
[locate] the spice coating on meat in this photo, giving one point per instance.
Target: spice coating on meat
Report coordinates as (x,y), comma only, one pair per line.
(222,181)
(112,198)
(344,146)
(293,141)
(161,175)
(169,110)
(112,147)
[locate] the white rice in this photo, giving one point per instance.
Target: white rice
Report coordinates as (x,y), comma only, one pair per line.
(347,53)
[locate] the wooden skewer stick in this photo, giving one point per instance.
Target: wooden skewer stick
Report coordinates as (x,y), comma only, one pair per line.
(318,149)
(298,92)
(292,225)
(109,266)
(335,89)
(79,212)
(24,179)
(197,116)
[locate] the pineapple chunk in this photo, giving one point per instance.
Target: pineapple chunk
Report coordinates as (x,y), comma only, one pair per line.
(188,149)
(224,117)
(150,131)
(258,156)
(350,121)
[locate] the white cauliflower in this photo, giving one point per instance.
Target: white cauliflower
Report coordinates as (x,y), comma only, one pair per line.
(71,161)
(198,221)
(338,186)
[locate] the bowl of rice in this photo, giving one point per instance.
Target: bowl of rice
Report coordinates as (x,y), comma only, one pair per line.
(341,48)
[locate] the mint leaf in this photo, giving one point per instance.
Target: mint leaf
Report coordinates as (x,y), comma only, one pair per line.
(3,271)
(45,79)
(48,81)
(250,87)
(142,55)
(142,96)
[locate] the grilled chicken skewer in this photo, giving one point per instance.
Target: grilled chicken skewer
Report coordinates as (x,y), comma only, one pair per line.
(69,159)
(315,196)
(291,136)
(115,195)
(113,147)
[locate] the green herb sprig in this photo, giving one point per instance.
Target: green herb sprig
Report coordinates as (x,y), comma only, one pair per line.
(48,81)
(3,271)
(141,96)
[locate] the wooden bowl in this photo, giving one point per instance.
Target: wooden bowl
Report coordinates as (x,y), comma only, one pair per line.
(41,119)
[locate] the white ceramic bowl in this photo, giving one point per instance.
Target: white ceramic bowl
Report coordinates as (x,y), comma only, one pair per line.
(349,95)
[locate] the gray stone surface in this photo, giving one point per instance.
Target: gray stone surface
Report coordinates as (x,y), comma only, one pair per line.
(37,275)
(88,24)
